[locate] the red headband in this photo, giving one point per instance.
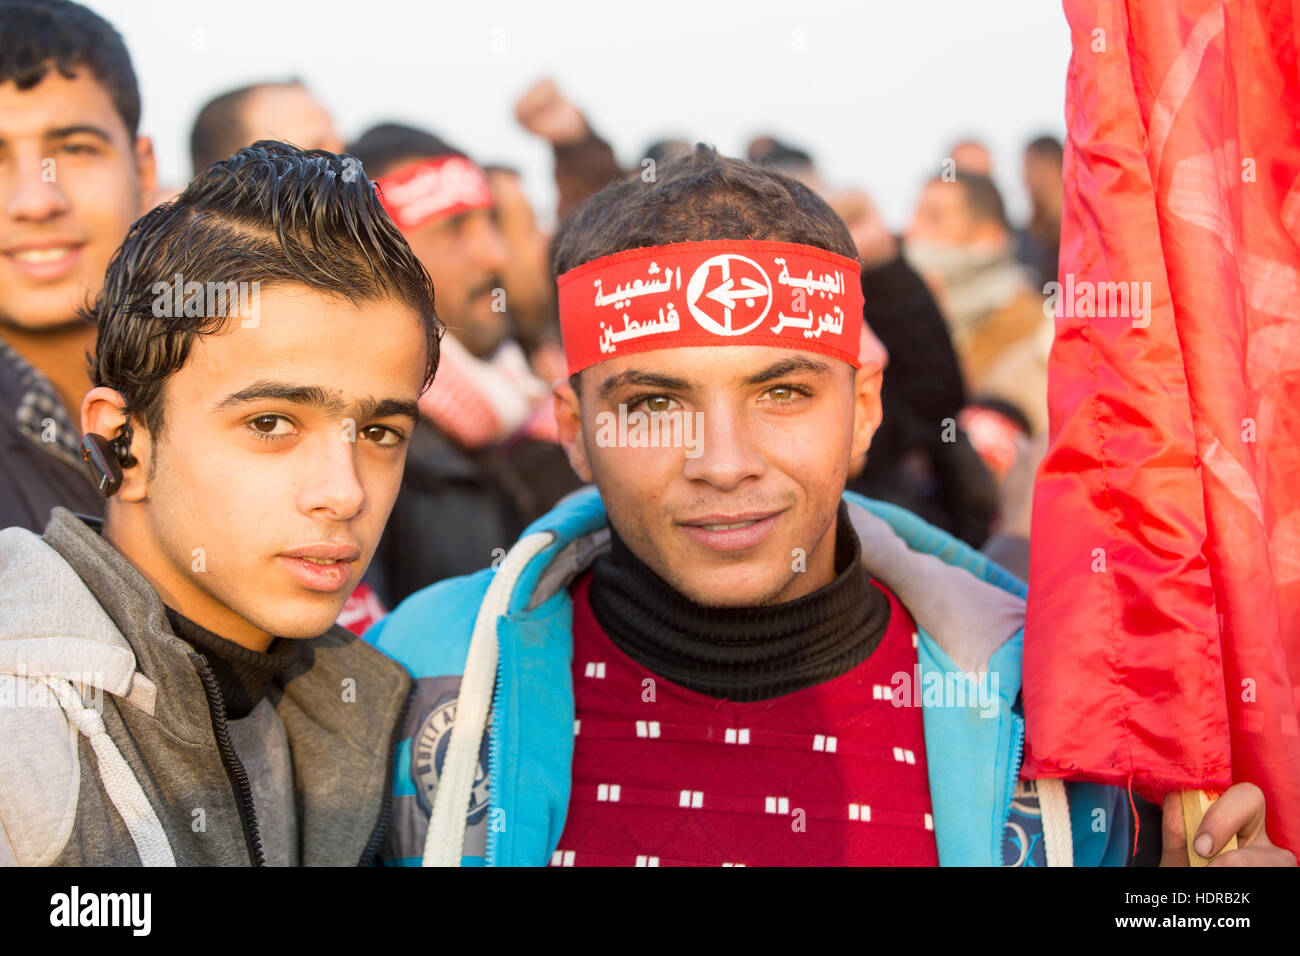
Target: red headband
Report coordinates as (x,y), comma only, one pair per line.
(732,292)
(433,189)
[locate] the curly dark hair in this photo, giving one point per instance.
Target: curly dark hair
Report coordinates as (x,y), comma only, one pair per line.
(40,35)
(272,214)
(698,197)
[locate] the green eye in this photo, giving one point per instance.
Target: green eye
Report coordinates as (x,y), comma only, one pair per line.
(786,394)
(659,403)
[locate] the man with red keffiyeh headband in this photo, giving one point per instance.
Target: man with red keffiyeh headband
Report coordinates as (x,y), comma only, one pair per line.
(483,462)
(719,657)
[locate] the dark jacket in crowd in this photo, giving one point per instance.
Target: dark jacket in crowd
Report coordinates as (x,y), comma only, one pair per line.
(917,459)
(39,464)
(459,509)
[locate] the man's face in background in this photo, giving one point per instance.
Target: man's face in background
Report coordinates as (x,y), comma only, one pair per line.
(465,255)
(1043,180)
(71,182)
(527,271)
(290,114)
(943,215)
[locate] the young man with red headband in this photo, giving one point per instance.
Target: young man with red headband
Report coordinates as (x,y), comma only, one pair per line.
(718,657)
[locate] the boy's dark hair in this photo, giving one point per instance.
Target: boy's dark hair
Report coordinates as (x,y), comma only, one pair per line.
(40,35)
(219,128)
(384,147)
(699,197)
(271,214)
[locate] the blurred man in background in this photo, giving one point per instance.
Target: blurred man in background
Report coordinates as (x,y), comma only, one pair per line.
(971,156)
(959,240)
(526,274)
(1040,241)
(915,460)
(285,111)
(74,173)
(791,160)
(483,462)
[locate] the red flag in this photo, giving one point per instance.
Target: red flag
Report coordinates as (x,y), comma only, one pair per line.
(1163,633)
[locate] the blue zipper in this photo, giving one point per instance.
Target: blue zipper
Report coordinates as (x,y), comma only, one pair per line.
(494,732)
(1017,756)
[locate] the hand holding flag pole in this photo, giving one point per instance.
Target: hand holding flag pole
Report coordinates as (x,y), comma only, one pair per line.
(1229,830)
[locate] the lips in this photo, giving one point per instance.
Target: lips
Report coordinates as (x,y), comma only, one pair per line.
(321,567)
(46,259)
(731,532)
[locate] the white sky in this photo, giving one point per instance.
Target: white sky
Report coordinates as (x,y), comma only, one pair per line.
(880,91)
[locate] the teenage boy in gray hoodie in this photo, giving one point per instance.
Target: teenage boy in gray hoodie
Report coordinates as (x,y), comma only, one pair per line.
(173,689)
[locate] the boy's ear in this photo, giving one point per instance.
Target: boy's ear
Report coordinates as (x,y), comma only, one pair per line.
(103,413)
(568,419)
(146,168)
(867,410)
(867,380)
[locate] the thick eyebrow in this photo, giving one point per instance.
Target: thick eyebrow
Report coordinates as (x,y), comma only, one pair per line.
(313,396)
(63,132)
(368,409)
(636,376)
(790,366)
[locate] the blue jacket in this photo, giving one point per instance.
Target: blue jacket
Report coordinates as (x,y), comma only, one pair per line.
(969,615)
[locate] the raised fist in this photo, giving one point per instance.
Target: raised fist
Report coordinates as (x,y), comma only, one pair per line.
(544,112)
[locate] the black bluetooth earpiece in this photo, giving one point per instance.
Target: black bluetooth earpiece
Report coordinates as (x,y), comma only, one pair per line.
(105,459)
(122,445)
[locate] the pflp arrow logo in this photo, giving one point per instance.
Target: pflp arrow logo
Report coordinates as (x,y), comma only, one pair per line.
(729,294)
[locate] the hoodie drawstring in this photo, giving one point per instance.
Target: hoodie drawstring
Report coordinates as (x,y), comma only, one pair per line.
(120,783)
(1058,839)
(445,841)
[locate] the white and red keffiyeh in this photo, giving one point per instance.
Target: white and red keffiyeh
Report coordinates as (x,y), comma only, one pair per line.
(481,402)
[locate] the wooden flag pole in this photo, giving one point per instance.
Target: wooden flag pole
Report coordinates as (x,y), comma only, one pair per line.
(1195,803)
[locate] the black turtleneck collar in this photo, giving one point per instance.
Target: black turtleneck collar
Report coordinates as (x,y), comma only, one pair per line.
(243,676)
(741,653)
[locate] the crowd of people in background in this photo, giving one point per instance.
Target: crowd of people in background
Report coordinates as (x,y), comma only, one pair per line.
(956,300)
(953,304)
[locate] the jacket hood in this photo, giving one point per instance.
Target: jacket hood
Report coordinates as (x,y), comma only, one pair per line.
(54,627)
(967,604)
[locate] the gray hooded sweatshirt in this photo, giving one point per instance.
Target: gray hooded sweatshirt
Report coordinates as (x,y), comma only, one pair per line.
(114,745)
